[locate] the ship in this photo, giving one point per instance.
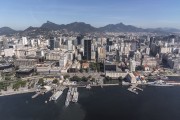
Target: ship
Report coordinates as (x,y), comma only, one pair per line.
(75,95)
(164,77)
(68,98)
(56,95)
(160,83)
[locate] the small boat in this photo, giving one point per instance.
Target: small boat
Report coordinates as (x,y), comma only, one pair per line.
(88,86)
(160,83)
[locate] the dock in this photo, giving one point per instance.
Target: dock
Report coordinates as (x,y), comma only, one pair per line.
(133,88)
(37,94)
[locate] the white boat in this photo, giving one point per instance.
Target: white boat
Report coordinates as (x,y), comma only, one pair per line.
(56,95)
(164,77)
(88,86)
(160,83)
(68,98)
(125,83)
(75,96)
(66,103)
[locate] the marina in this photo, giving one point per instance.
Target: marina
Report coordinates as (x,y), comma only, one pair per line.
(72,94)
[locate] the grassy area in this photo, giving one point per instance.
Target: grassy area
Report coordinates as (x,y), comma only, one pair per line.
(19,84)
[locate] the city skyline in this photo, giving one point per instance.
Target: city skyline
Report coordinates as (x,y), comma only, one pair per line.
(19,14)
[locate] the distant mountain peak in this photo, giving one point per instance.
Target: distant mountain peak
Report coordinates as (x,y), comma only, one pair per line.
(120,23)
(82,27)
(6,31)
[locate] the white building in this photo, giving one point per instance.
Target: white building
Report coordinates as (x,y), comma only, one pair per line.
(63,61)
(32,43)
(9,52)
(70,45)
(147,50)
(24,41)
(132,65)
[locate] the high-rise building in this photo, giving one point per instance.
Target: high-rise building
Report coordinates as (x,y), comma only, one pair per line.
(152,40)
(132,66)
(63,61)
(24,41)
(79,39)
(70,45)
(87,49)
(101,53)
(52,43)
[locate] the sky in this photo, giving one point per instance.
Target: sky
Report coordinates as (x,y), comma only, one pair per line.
(20,14)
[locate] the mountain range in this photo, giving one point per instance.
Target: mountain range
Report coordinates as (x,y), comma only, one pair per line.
(82,27)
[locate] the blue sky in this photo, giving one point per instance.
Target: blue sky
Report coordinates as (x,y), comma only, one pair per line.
(20,14)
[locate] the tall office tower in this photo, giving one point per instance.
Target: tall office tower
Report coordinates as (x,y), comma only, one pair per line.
(38,42)
(52,43)
(107,41)
(79,39)
(70,45)
(101,53)
(172,41)
(24,41)
(87,49)
(32,43)
(5,43)
(147,50)
(132,65)
(152,40)
(117,56)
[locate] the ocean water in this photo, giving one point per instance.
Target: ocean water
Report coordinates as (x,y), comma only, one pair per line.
(108,103)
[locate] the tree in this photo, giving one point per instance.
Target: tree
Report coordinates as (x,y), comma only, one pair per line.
(16,86)
(93,66)
(81,70)
(120,79)
(66,76)
(86,70)
(41,81)
(7,78)
(93,79)
(84,79)
(23,83)
(75,78)
(55,81)
(98,67)
(89,76)
(107,78)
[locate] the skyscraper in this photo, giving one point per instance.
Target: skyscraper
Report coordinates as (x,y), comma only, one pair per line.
(87,49)
(52,43)
(70,45)
(24,41)
(132,66)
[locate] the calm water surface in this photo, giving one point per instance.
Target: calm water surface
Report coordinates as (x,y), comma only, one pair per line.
(108,103)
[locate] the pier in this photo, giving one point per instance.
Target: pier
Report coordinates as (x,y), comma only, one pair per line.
(133,88)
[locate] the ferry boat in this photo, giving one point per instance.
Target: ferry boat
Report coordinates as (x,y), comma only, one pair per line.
(75,96)
(56,95)
(125,83)
(164,77)
(160,83)
(68,98)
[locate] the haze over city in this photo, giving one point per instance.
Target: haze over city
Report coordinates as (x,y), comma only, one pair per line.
(20,14)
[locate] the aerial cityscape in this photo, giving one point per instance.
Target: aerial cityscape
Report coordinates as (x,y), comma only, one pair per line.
(71,65)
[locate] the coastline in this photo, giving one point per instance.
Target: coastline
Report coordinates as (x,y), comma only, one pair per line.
(23,91)
(9,93)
